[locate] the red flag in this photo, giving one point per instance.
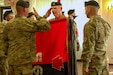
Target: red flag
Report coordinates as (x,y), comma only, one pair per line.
(58,0)
(57,63)
(51,45)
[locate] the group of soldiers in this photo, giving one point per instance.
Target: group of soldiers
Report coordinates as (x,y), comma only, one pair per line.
(17,39)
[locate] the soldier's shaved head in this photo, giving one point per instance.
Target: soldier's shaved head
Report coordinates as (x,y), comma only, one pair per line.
(19,8)
(22,7)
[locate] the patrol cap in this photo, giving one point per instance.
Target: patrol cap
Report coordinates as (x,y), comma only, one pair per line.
(7,13)
(92,3)
(71,11)
(56,4)
(23,3)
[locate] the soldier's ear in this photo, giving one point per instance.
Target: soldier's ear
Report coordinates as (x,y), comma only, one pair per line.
(60,7)
(24,10)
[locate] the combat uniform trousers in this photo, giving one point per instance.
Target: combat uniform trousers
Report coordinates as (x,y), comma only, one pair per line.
(25,69)
(3,68)
(96,68)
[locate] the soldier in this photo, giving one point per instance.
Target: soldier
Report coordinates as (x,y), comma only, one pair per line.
(2,54)
(19,39)
(8,15)
(96,33)
(56,9)
(72,15)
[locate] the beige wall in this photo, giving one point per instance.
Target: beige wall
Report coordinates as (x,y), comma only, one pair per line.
(108,16)
(8,2)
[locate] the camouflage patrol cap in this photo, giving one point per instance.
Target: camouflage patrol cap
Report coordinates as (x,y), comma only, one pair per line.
(92,3)
(56,4)
(71,11)
(23,3)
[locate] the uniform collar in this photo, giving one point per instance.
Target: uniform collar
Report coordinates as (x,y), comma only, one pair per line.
(17,16)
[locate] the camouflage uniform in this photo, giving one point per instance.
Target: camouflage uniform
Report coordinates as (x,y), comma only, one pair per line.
(3,70)
(18,42)
(96,32)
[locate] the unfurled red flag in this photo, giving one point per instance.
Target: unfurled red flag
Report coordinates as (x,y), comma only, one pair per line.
(51,45)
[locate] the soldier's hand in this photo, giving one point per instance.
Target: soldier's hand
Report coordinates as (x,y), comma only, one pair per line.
(35,12)
(86,69)
(39,57)
(48,13)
